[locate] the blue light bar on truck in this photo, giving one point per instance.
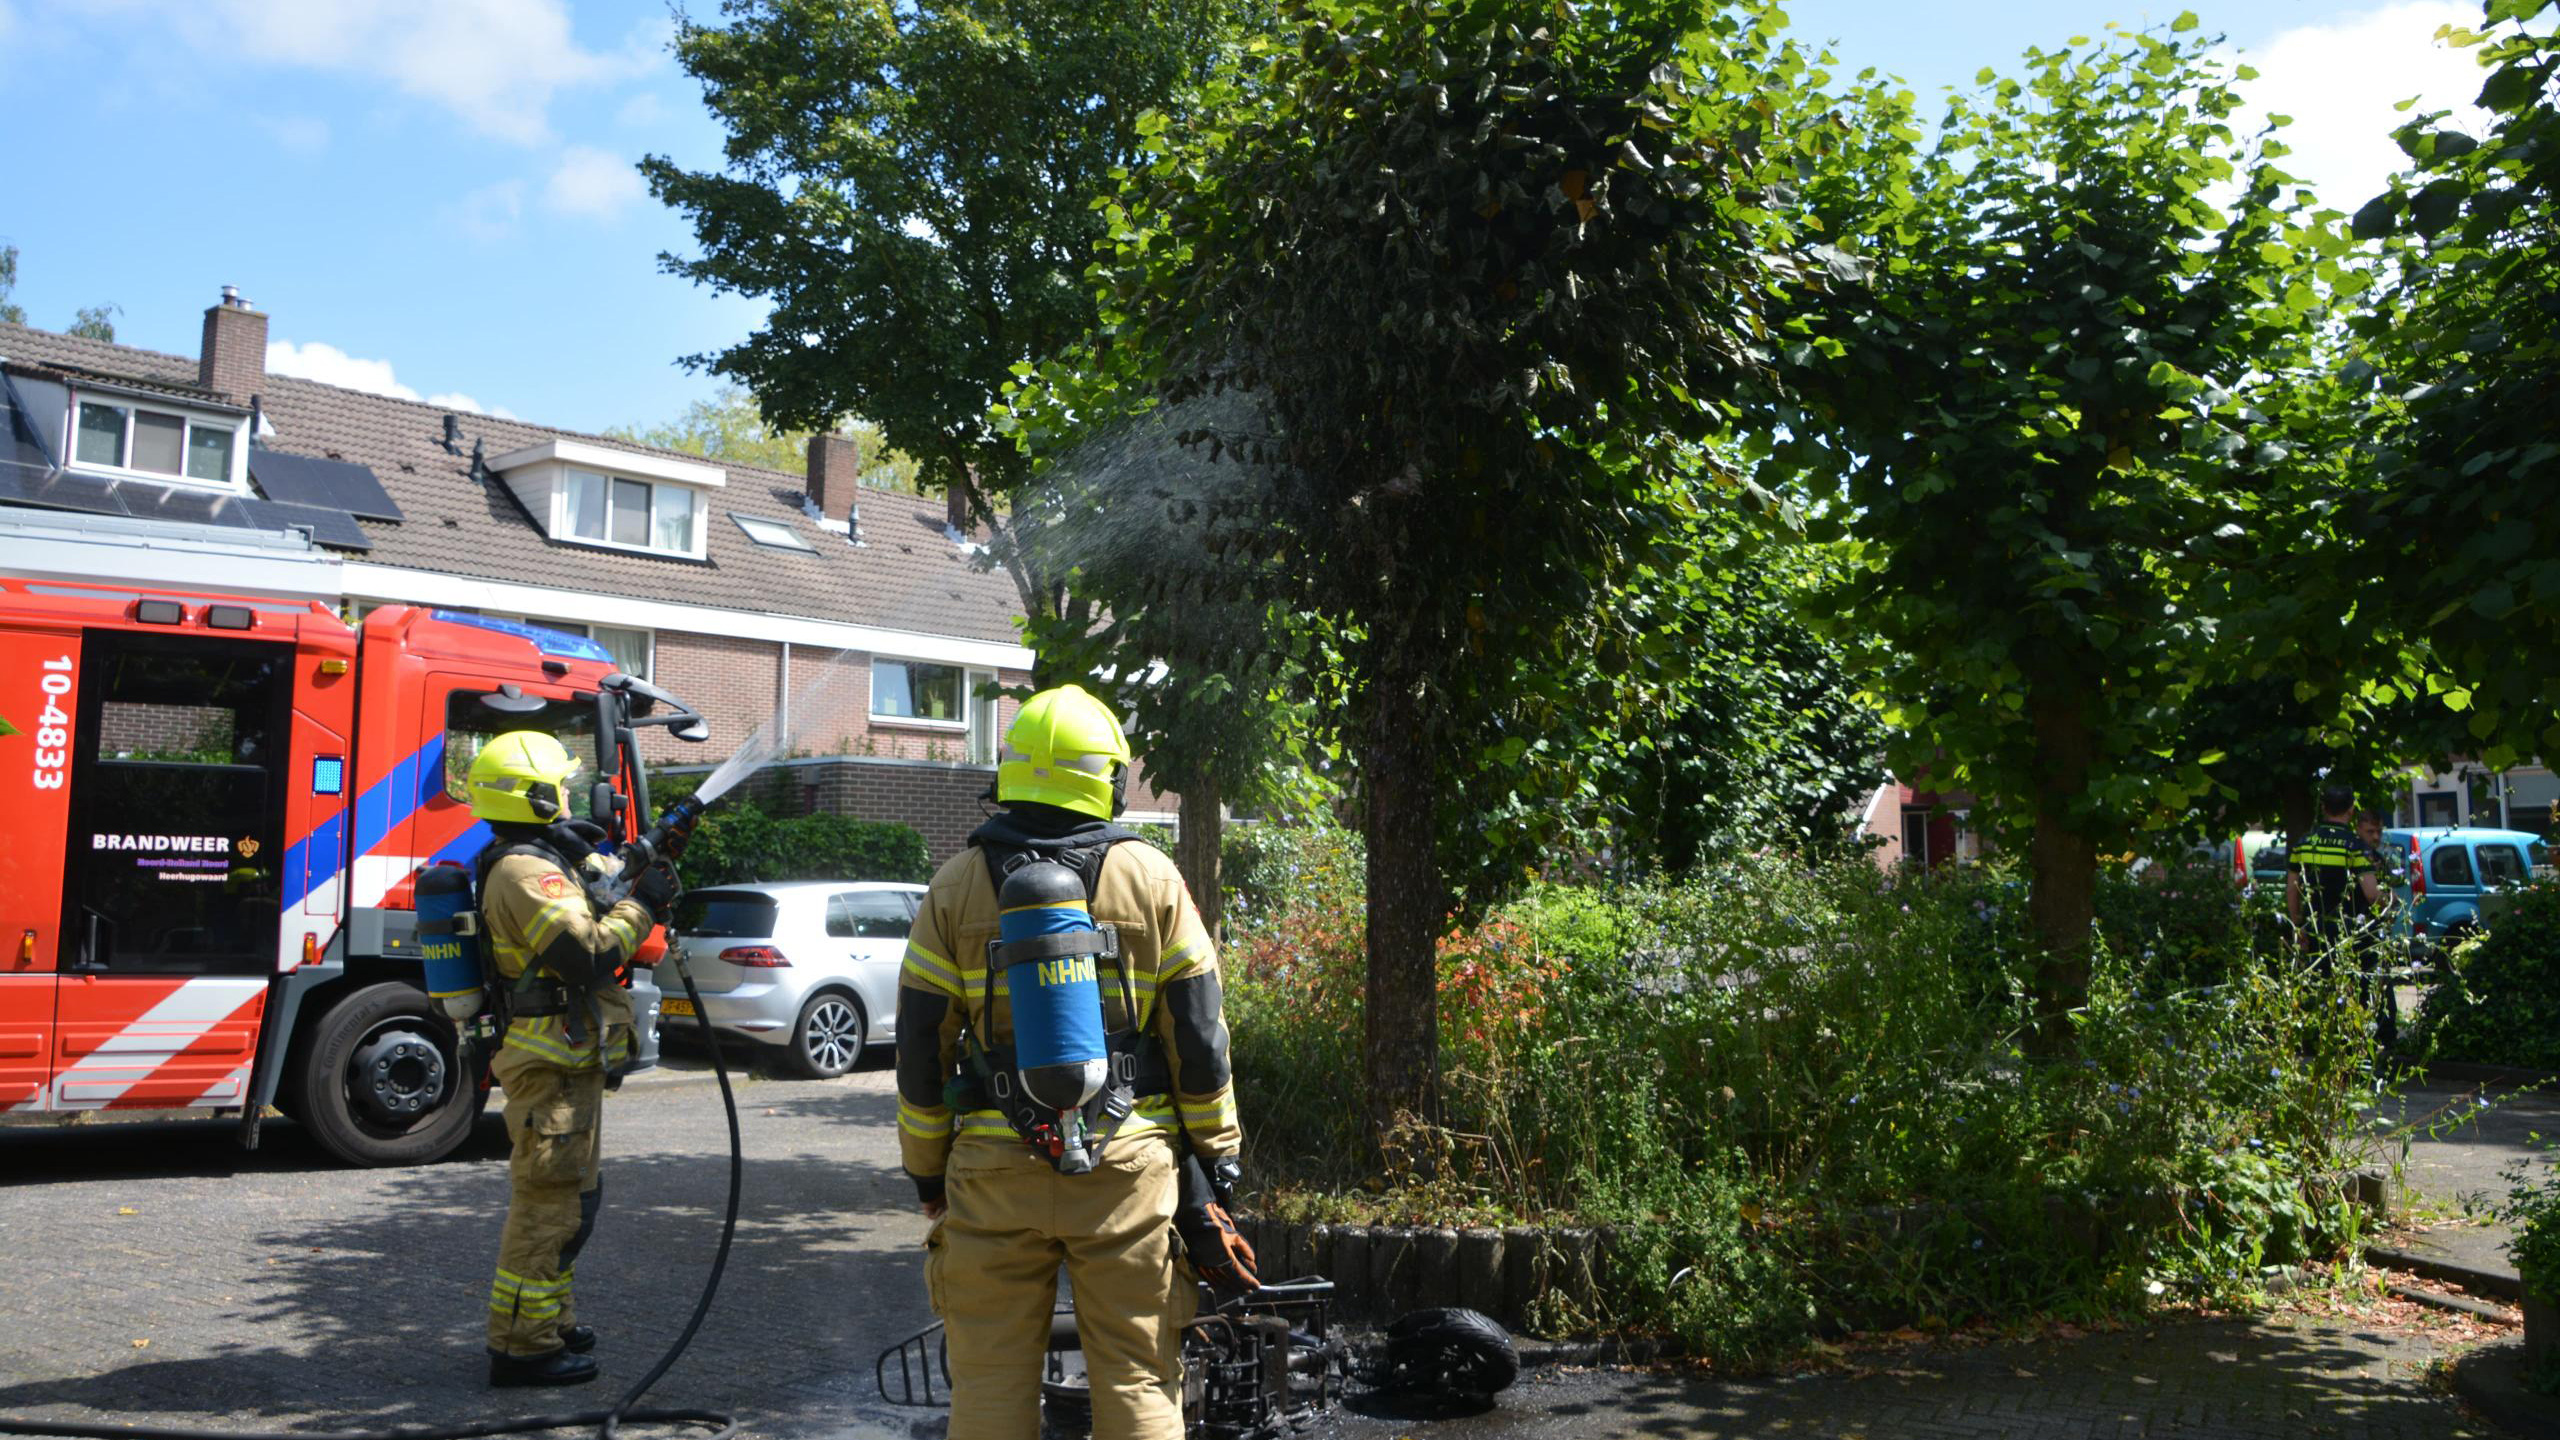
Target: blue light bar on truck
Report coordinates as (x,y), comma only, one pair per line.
(549,642)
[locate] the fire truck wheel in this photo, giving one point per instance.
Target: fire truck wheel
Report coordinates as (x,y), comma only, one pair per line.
(381,1081)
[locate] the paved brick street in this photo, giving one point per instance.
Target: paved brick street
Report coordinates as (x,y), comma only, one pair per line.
(279,1290)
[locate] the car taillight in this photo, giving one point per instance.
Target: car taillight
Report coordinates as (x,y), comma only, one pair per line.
(2417,872)
(761,957)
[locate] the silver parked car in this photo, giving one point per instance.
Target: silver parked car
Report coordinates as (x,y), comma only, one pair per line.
(809,965)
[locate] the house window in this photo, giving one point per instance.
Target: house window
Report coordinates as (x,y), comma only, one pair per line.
(771,533)
(1915,836)
(914,690)
(982,719)
(125,437)
(636,513)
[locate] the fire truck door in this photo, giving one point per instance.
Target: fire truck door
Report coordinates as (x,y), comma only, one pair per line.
(173,889)
(39,688)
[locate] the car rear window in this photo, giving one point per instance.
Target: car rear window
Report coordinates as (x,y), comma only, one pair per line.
(2501,865)
(726,913)
(2450,865)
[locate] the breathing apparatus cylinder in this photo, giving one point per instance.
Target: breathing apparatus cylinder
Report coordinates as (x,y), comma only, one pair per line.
(446,939)
(1058,1048)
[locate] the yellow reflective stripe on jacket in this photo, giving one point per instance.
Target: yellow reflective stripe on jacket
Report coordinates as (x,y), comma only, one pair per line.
(546,1037)
(1221,1111)
(929,971)
(924,1124)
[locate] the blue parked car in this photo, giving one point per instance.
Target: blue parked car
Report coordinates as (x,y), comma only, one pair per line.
(2448,871)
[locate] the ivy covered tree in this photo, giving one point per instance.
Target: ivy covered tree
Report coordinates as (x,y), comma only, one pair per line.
(910,184)
(1490,273)
(2053,407)
(2462,534)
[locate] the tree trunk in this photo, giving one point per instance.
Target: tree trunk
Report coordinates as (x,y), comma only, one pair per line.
(1196,849)
(2296,807)
(2061,898)
(1403,1043)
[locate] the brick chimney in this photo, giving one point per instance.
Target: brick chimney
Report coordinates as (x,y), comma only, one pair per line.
(233,359)
(835,478)
(955,507)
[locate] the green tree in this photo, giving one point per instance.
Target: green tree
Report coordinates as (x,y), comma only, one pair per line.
(1489,274)
(2055,403)
(94,322)
(909,185)
(10,311)
(2462,535)
(730,427)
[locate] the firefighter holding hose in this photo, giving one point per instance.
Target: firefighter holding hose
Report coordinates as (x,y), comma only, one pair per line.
(553,950)
(1064,1093)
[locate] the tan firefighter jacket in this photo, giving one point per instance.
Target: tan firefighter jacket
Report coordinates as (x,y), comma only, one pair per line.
(1161,941)
(535,916)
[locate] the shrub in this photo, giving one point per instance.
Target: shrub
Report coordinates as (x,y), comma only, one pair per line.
(739,841)
(2499,1001)
(2185,919)
(1799,1093)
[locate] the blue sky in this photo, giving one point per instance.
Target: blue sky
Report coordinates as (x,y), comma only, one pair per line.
(435,197)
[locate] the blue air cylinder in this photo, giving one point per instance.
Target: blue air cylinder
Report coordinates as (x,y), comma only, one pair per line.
(446,943)
(1058,1048)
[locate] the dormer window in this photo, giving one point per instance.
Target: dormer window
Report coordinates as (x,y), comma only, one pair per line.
(587,494)
(616,511)
(119,435)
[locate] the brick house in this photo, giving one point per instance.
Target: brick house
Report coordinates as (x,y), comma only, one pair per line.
(732,586)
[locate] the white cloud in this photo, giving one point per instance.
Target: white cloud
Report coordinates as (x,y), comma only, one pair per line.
(301,134)
(490,212)
(326,363)
(2340,79)
(593,183)
(456,400)
(642,109)
(496,64)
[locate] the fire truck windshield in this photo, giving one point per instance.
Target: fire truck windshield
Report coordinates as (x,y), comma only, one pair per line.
(470,724)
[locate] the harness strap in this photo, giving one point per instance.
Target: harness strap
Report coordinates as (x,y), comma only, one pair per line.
(1100,941)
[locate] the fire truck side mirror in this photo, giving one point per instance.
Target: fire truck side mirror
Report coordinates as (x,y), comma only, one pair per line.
(605,805)
(693,731)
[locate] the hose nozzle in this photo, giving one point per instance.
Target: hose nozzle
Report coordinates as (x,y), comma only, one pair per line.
(666,839)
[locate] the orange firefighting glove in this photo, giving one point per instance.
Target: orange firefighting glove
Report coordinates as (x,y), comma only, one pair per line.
(1209,1235)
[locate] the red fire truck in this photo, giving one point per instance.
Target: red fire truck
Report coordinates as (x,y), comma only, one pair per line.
(217,809)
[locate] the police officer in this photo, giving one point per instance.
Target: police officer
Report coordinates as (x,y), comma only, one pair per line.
(2330,874)
(1007,1208)
(555,950)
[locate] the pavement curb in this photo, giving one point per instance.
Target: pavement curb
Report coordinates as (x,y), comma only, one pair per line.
(2503,1284)
(2491,1380)
(2459,1304)
(2463,1073)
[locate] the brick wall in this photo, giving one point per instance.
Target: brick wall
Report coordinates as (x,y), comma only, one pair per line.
(734,683)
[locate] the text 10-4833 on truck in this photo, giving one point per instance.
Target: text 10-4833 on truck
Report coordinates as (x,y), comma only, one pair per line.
(218,809)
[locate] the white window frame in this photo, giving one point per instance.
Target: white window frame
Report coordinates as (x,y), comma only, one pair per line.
(955,727)
(990,742)
(131,405)
(562,521)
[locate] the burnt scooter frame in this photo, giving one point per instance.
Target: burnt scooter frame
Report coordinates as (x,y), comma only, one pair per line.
(1254,1366)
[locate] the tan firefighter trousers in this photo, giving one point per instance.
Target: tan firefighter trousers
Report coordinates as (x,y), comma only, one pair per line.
(554,1117)
(991,1268)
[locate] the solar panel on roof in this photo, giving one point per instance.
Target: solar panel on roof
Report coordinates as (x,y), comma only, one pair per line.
(328,484)
(86,494)
(327,527)
(183,507)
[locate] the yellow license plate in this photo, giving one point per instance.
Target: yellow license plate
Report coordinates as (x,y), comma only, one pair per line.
(675,1007)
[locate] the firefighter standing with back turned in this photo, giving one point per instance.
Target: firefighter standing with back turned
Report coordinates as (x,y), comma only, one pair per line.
(554,951)
(1016,1184)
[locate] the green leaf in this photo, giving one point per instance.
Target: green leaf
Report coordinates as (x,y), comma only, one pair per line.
(2186,21)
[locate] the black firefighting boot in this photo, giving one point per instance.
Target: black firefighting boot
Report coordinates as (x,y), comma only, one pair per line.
(558,1367)
(578,1338)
